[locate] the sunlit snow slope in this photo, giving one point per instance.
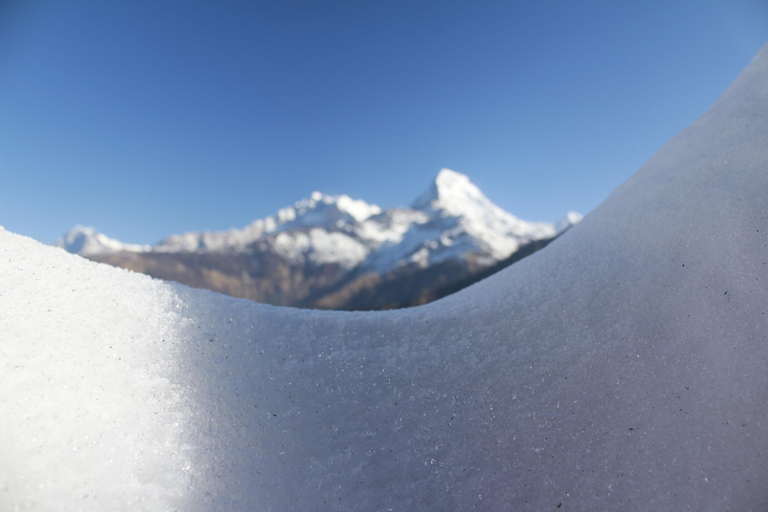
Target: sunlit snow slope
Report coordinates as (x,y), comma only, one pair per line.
(624,367)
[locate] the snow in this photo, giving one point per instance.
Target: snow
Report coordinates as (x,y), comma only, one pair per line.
(318,211)
(87,241)
(357,208)
(567,222)
(461,210)
(92,416)
(449,221)
(624,367)
(320,246)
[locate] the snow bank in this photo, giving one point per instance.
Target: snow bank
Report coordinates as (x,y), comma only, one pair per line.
(93,416)
(625,367)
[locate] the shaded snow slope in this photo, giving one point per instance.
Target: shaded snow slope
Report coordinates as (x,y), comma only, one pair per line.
(624,367)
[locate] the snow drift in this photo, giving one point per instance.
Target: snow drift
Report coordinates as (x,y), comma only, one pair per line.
(624,367)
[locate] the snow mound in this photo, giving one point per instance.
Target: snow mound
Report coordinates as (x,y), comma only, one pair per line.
(624,367)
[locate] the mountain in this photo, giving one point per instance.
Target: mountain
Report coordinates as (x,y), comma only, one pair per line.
(86,241)
(335,252)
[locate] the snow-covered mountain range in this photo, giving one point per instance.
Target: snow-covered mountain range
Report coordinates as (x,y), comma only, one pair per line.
(452,221)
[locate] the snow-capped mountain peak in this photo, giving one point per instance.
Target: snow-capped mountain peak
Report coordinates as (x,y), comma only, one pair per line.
(324,210)
(86,241)
(458,205)
(319,210)
(450,193)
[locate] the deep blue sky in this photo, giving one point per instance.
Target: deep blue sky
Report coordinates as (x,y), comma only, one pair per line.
(147,118)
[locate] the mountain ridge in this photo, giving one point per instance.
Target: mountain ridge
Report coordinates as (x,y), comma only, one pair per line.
(339,238)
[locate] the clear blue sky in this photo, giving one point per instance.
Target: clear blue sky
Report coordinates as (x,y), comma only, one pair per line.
(147,118)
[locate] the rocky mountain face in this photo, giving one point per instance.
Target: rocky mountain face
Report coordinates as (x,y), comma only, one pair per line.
(334,252)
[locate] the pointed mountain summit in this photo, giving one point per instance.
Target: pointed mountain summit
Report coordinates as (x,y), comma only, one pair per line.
(473,222)
(448,184)
(453,194)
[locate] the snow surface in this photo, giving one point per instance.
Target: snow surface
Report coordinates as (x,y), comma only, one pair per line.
(624,367)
